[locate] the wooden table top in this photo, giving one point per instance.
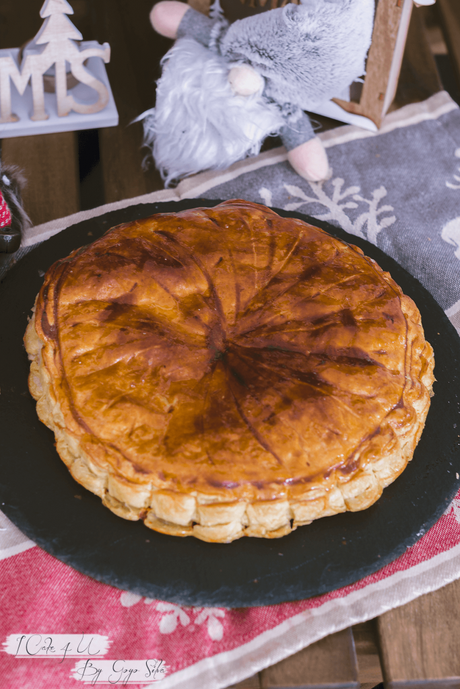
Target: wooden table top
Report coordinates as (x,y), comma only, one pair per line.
(416,645)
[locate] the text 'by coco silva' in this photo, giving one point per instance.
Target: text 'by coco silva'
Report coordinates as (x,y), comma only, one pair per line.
(119,672)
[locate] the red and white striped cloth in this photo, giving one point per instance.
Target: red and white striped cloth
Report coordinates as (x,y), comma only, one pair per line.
(202,648)
(5,213)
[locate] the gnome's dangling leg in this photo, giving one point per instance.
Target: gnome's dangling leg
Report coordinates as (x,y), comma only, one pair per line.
(168,19)
(306,152)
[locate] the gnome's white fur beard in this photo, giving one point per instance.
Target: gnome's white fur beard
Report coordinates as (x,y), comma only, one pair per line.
(199,123)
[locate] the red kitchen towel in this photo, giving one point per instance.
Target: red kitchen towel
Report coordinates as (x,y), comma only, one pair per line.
(199,647)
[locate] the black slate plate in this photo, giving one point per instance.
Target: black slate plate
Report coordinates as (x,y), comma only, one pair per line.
(38,494)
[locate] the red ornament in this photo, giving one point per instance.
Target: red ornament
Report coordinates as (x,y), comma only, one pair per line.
(5,213)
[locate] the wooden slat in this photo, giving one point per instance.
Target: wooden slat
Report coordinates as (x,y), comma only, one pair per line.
(419,78)
(50,165)
(420,642)
(386,26)
(449,11)
(330,662)
(134,65)
(366,645)
(19,21)
(367,653)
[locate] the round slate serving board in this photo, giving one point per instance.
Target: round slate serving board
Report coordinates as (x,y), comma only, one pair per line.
(38,494)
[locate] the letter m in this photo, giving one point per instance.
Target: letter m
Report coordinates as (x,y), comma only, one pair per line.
(9,72)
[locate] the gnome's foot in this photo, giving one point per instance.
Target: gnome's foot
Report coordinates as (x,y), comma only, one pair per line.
(166,16)
(309,160)
(10,240)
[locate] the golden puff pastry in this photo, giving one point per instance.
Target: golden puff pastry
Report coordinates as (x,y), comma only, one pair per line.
(225,372)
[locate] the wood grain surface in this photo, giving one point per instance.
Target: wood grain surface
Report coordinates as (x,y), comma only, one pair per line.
(50,164)
(329,662)
(449,14)
(367,653)
(419,78)
(420,641)
(133,69)
(349,658)
(379,60)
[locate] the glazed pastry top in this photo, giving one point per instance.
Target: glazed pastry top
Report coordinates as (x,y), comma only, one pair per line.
(225,350)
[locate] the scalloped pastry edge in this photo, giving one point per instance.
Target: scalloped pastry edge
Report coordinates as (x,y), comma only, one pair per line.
(180,514)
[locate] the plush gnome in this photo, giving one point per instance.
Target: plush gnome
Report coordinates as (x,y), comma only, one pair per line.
(13,218)
(225,88)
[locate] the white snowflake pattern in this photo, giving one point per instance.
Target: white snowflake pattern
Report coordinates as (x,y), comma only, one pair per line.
(175,615)
(343,200)
(452,185)
(266,196)
(214,626)
(128,599)
(450,233)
